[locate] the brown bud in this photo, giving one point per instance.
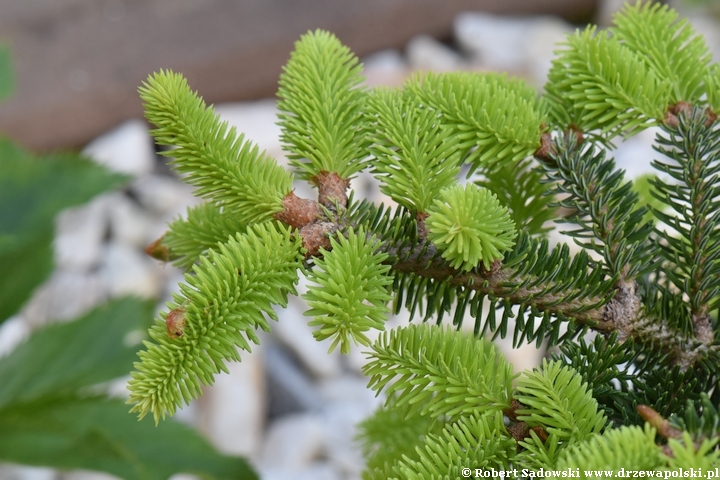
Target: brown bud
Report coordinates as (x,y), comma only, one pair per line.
(681,108)
(574,131)
(298,212)
(656,420)
(547,148)
(158,250)
(671,120)
(331,188)
(175,322)
(711,117)
(422,229)
(315,236)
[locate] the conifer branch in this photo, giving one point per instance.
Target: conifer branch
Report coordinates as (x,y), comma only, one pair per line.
(225,168)
(491,118)
(694,148)
(669,46)
(599,84)
(321,108)
(218,311)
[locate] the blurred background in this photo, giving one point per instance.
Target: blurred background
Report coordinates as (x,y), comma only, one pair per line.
(289,407)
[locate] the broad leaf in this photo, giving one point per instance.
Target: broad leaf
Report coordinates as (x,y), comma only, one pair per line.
(32,191)
(98,434)
(65,357)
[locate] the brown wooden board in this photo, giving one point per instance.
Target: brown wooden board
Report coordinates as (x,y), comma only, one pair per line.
(78,63)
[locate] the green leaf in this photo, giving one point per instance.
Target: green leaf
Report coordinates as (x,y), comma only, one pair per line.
(32,191)
(26,262)
(65,357)
(7,82)
(97,434)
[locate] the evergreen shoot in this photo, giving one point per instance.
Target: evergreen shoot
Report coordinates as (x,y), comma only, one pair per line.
(634,311)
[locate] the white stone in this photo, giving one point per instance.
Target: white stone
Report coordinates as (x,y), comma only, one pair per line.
(258,122)
(66,295)
(289,387)
(635,154)
(386,67)
(497,42)
(87,475)
(352,390)
(518,45)
(292,330)
(294,441)
(127,149)
(232,410)
(10,471)
(163,195)
(349,402)
(607,10)
(13,332)
(541,41)
(426,53)
(129,224)
(341,419)
(79,234)
(129,271)
(318,471)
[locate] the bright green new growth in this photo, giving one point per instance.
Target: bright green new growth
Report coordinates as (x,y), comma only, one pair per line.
(478,440)
(350,292)
(615,449)
(439,372)
(222,305)
(599,84)
(321,107)
(669,46)
(203,228)
(226,169)
(492,119)
(474,252)
(712,81)
(470,226)
(555,397)
(687,454)
(412,158)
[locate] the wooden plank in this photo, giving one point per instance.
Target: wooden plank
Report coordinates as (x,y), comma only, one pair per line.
(79,62)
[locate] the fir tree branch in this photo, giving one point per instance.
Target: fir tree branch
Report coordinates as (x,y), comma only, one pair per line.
(499,281)
(694,148)
(321,107)
(604,206)
(225,168)
(669,46)
(412,159)
(491,118)
(598,84)
(218,312)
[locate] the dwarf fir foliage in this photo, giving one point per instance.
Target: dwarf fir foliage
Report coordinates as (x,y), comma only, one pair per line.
(633,306)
